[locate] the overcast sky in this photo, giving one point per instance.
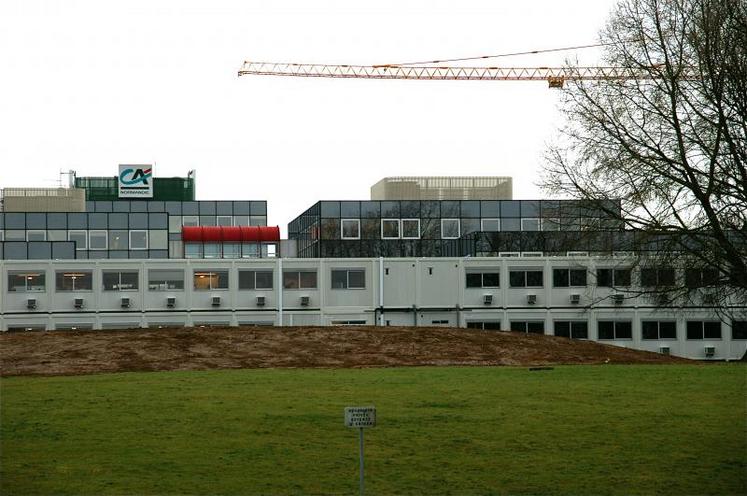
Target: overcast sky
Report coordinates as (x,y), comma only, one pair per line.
(86,85)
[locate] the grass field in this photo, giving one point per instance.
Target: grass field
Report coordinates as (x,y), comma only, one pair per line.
(572,430)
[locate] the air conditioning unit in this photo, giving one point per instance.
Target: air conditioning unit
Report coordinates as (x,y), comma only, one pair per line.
(170,302)
(216,301)
(487,299)
(305,301)
(710,351)
(575,298)
(618,298)
(78,303)
(664,350)
(31,303)
(125,302)
(260,301)
(531,299)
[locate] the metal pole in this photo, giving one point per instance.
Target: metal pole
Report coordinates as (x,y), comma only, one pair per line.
(361,453)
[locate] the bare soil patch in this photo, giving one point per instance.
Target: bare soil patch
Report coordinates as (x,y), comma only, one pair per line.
(87,352)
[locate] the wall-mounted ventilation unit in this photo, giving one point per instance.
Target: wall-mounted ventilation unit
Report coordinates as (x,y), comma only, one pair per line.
(710,351)
(31,303)
(78,303)
(216,301)
(531,299)
(260,301)
(170,302)
(125,302)
(487,299)
(618,298)
(664,350)
(305,301)
(575,298)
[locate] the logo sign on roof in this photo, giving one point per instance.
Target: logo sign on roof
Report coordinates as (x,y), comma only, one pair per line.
(135,181)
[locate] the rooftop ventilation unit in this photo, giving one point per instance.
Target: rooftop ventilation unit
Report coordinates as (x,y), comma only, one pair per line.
(125,302)
(305,301)
(664,350)
(710,351)
(216,301)
(575,298)
(487,299)
(531,299)
(170,302)
(618,298)
(78,303)
(260,301)
(31,303)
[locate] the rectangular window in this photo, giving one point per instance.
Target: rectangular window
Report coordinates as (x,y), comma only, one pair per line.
(655,277)
(138,240)
(74,280)
(348,279)
(23,282)
(190,221)
(211,250)
(80,238)
(36,235)
(551,224)
(97,240)
(299,279)
(530,224)
(528,326)
(192,250)
(490,225)
(739,329)
(450,228)
(608,278)
(410,228)
(525,278)
(564,278)
(210,279)
(255,279)
(165,280)
(231,250)
(703,329)
(118,240)
(484,325)
(389,228)
(350,228)
(483,278)
(119,280)
(615,329)
(700,278)
(225,220)
(574,329)
(658,329)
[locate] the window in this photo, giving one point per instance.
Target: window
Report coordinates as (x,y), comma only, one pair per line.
(74,281)
(119,280)
(348,279)
(190,221)
(389,228)
(138,240)
(165,280)
(485,325)
(299,279)
(703,329)
(530,224)
(449,228)
(739,329)
(658,329)
(36,235)
(211,250)
(615,329)
(80,238)
(608,278)
(97,240)
(231,250)
(698,278)
(490,225)
(255,279)
(22,282)
(192,250)
(574,329)
(525,278)
(528,326)
(551,224)
(249,250)
(210,279)
(564,278)
(411,228)
(489,278)
(118,240)
(661,276)
(350,228)
(225,220)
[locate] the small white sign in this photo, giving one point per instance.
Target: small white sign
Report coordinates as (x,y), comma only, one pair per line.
(360,416)
(135,181)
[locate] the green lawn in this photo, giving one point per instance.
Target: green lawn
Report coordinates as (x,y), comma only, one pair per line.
(572,430)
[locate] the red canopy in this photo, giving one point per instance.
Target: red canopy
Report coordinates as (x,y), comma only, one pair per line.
(236,234)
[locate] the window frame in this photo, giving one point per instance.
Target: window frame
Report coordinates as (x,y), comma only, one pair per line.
(614,277)
(36,231)
(210,273)
(402,228)
(85,236)
(742,330)
(119,273)
(702,325)
(525,325)
(26,274)
(254,273)
(149,282)
(490,219)
(482,273)
(219,217)
(571,324)
(347,272)
(93,232)
(88,273)
(298,273)
(568,272)
(615,323)
(526,283)
(459,228)
(342,228)
(146,239)
(658,330)
(399,228)
(533,219)
(196,220)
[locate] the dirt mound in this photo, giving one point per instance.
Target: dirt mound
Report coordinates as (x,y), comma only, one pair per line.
(85,352)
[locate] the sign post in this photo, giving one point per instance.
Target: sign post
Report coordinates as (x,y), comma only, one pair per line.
(360,417)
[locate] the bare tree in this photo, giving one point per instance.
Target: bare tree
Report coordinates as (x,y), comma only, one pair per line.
(670,144)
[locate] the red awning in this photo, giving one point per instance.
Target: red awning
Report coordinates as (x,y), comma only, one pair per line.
(236,234)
